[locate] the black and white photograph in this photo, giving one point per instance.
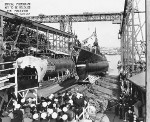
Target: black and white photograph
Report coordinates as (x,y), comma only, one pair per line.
(74,61)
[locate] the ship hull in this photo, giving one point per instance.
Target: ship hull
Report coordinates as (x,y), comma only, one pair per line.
(90,63)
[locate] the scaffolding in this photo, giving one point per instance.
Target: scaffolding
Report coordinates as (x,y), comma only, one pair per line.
(24,33)
(132,34)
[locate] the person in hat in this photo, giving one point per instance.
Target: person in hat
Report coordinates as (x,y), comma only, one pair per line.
(78,103)
(44,117)
(64,117)
(33,108)
(54,117)
(17,113)
(36,117)
(49,113)
(70,113)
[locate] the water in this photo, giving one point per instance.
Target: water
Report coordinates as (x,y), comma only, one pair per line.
(113,60)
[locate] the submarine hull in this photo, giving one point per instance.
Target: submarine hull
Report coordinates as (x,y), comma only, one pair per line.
(88,62)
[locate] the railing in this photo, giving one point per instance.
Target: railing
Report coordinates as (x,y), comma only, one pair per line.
(85,115)
(5,75)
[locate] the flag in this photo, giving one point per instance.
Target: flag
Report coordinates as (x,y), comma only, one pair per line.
(85,41)
(89,39)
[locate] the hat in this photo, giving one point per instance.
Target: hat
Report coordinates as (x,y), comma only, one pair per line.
(30,99)
(50,111)
(64,117)
(71,102)
(14,102)
(43,115)
(17,106)
(78,95)
(33,105)
(34,99)
(48,103)
(23,100)
(54,105)
(63,94)
(65,109)
(51,96)
(35,116)
(70,96)
(56,100)
(44,104)
(54,115)
(81,95)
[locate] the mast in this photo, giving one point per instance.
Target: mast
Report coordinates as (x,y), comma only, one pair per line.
(95,44)
(95,34)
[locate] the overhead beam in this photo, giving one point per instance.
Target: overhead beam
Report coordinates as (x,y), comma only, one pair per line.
(85,17)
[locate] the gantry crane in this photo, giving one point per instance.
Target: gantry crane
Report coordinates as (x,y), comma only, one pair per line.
(66,20)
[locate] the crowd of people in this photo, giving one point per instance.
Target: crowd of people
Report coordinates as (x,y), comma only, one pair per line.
(139,66)
(132,99)
(60,107)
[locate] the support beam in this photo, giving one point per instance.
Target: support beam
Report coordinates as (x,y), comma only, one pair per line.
(53,42)
(48,41)
(1,34)
(56,42)
(16,82)
(59,43)
(147,60)
(133,39)
(37,39)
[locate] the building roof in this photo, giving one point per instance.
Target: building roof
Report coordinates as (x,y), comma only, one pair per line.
(139,80)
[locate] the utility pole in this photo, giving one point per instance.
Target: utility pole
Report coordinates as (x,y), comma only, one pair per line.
(147,17)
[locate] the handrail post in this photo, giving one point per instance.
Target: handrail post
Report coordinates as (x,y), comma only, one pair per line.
(16,81)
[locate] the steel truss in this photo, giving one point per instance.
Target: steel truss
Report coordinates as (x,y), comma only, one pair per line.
(67,20)
(132,34)
(23,33)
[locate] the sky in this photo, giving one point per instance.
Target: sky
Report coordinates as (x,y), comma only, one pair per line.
(107,32)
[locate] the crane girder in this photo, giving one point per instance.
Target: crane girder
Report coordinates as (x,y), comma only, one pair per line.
(85,17)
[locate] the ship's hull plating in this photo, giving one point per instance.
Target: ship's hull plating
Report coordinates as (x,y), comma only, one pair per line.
(90,63)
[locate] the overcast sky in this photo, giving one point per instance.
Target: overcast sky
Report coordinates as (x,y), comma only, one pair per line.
(106,31)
